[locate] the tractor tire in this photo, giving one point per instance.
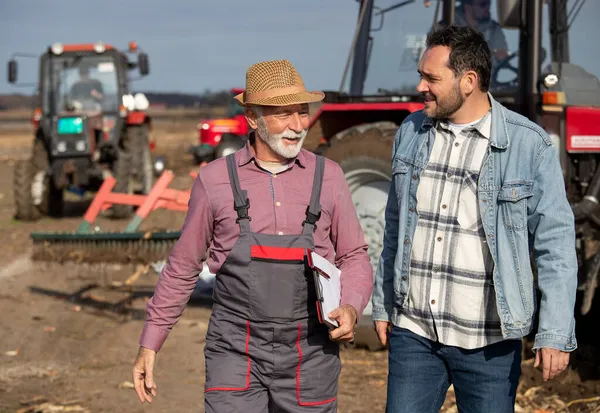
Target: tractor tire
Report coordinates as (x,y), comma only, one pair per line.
(364,153)
(23,174)
(229,144)
(142,170)
(34,190)
(122,173)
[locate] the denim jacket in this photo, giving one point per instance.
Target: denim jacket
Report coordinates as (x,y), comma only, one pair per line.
(523,208)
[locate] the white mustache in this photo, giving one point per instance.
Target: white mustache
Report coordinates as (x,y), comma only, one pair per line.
(290,134)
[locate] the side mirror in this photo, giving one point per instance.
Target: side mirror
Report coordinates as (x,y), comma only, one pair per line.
(509,13)
(143,64)
(12,71)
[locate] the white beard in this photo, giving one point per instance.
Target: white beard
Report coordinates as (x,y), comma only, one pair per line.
(275,141)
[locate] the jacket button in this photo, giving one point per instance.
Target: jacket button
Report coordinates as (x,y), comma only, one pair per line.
(404,278)
(411,209)
(406,241)
(414,176)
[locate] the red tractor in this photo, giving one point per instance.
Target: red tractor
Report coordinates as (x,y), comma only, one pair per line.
(534,77)
(87,126)
(221,136)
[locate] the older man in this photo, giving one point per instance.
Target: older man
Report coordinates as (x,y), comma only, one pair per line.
(258,210)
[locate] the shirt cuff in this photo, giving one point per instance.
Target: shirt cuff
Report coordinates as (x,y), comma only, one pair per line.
(153,337)
(355,300)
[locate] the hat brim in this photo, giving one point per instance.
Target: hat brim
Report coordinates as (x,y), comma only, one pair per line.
(284,100)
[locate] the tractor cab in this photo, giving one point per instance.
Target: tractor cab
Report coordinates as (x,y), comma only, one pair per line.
(536,71)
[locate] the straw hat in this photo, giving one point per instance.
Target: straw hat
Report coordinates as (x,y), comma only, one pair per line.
(275,83)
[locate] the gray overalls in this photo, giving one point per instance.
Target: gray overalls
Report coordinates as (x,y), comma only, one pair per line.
(265,348)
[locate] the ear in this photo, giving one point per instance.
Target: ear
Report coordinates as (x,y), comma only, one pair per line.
(469,82)
(251,117)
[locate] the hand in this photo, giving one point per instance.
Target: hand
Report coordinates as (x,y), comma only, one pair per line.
(143,377)
(553,362)
(346,317)
(382,329)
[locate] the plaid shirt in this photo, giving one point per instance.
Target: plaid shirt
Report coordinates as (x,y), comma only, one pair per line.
(451,296)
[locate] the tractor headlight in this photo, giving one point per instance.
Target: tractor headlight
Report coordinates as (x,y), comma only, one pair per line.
(550,80)
(99,47)
(57,48)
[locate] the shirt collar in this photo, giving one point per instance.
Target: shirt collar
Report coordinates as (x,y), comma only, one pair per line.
(247,154)
(483,126)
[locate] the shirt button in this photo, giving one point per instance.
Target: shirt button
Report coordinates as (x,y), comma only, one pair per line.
(274,175)
(280,233)
(444,206)
(278,203)
(448,174)
(432,301)
(439,238)
(456,143)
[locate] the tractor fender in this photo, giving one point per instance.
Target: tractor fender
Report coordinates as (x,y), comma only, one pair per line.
(355,130)
(138,118)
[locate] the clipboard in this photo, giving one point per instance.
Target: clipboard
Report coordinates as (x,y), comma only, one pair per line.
(327,286)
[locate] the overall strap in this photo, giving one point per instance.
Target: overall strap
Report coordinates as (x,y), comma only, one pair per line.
(313,211)
(241,203)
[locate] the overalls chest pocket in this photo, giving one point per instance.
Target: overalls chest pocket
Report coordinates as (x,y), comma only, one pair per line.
(512,202)
(400,176)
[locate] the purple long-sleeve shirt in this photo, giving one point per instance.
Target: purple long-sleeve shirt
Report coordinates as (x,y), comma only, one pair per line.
(277,206)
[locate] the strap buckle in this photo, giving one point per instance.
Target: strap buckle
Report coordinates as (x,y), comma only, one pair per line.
(242,211)
(311,218)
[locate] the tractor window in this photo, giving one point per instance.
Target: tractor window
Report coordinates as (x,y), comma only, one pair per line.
(234,110)
(398,32)
(85,83)
(503,43)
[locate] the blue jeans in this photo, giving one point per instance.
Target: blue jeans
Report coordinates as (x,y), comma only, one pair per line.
(421,371)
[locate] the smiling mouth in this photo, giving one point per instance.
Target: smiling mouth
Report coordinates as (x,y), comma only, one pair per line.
(292,140)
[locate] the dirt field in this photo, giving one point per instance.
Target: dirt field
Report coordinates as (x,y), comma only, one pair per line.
(68,333)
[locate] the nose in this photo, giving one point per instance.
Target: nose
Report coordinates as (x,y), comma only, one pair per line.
(422,86)
(296,123)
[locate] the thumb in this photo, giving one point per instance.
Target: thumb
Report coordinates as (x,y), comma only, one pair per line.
(335,313)
(538,357)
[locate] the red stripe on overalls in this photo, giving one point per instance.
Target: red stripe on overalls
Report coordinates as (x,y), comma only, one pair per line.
(298,398)
(264,252)
(247,371)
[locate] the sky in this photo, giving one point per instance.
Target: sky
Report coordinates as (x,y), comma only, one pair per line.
(194,45)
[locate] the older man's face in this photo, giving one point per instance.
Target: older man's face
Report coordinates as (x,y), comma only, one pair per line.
(283,128)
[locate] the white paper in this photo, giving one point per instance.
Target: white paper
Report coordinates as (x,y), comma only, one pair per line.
(330,287)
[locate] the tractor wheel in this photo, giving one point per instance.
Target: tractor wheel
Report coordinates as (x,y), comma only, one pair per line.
(34,190)
(229,144)
(122,173)
(142,170)
(364,152)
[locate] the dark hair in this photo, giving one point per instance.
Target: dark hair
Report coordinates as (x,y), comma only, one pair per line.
(468,51)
